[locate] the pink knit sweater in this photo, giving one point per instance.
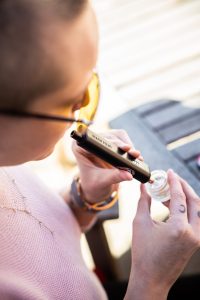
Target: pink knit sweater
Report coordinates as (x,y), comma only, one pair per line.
(40,254)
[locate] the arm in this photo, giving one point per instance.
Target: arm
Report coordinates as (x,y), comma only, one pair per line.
(14,286)
(99,179)
(161,250)
(85,219)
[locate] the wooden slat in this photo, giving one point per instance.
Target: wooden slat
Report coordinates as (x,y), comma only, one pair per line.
(115,36)
(132,15)
(188,151)
(173,114)
(193,99)
(177,90)
(153,150)
(104,7)
(150,107)
(164,79)
(195,169)
(131,10)
(129,50)
(154,61)
(180,129)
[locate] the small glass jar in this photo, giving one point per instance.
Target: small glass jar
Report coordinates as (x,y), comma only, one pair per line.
(159,188)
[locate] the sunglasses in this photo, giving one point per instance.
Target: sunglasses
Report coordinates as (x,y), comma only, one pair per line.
(86,113)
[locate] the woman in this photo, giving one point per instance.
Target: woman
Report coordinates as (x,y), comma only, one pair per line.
(48,53)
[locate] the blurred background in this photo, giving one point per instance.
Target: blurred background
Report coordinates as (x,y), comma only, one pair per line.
(149,49)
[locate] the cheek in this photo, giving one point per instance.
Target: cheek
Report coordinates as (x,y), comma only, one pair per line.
(52,134)
(43,140)
(40,137)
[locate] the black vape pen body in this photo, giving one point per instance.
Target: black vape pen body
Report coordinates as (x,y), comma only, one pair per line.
(110,153)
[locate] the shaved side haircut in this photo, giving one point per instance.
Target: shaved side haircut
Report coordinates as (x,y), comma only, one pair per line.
(27,69)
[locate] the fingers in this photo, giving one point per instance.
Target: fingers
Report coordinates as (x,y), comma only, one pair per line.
(122,140)
(193,203)
(123,136)
(115,176)
(188,190)
(122,175)
(144,203)
(136,154)
(178,205)
(166,203)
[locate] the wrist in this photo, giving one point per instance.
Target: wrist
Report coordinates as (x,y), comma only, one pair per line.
(142,289)
(95,188)
(94,193)
(78,199)
(144,293)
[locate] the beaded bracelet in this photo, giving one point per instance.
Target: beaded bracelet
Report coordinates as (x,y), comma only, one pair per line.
(78,199)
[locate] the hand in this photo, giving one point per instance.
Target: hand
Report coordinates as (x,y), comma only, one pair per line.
(161,250)
(98,178)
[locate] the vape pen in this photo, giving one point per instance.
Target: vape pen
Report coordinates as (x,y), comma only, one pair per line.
(110,153)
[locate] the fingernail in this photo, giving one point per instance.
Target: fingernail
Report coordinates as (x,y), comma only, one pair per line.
(134,152)
(125,146)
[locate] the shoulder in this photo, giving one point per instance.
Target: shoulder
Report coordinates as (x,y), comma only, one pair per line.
(25,199)
(15,286)
(12,182)
(19,184)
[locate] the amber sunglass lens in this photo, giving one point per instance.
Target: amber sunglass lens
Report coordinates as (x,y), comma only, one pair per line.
(90,102)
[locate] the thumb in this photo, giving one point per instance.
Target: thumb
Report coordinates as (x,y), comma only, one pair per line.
(115,176)
(144,204)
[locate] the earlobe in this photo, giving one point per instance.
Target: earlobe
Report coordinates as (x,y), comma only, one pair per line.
(76,106)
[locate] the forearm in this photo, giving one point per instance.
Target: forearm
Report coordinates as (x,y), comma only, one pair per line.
(143,293)
(141,289)
(85,219)
(86,210)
